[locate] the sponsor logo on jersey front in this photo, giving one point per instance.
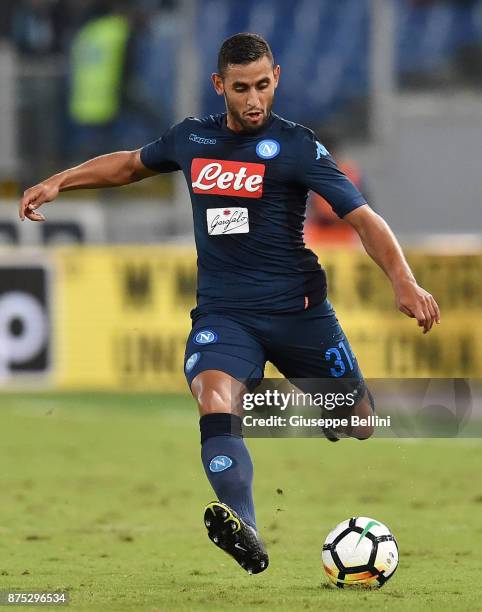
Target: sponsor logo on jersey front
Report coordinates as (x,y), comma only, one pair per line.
(227,221)
(220,463)
(205,336)
(227,178)
(267,149)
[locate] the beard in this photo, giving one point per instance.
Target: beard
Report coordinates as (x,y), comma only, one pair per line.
(243,122)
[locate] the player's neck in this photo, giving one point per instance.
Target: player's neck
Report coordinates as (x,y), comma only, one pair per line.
(232,124)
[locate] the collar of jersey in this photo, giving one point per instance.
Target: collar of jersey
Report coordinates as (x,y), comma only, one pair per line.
(260,132)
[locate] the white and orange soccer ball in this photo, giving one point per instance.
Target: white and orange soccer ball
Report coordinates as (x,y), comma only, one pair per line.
(360,552)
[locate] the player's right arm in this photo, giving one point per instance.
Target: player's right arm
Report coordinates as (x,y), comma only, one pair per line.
(112,170)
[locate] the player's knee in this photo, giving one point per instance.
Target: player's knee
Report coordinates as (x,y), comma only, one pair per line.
(216,392)
(213,400)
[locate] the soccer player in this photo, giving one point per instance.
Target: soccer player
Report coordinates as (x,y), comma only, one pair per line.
(261,293)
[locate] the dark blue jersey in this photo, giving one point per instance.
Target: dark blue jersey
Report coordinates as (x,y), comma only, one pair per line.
(248,194)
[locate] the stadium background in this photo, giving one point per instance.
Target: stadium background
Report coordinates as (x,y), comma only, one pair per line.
(97,299)
(396,84)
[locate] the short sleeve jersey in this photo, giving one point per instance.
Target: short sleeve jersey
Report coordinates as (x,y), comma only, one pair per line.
(248,194)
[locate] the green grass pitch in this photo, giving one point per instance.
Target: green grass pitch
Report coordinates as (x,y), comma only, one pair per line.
(103,495)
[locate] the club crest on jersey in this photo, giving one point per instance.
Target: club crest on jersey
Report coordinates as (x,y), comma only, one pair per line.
(220,463)
(267,149)
(227,178)
(205,336)
(191,362)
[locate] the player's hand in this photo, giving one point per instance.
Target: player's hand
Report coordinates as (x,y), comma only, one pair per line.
(34,197)
(417,303)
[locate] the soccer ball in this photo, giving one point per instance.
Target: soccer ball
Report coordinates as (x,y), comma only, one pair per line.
(360,551)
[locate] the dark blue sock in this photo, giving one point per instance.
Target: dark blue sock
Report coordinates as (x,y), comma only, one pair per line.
(227,463)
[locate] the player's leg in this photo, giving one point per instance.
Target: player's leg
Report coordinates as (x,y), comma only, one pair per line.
(220,355)
(310,346)
(363,409)
(224,454)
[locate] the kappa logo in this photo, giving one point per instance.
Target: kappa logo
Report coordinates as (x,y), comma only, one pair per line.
(220,463)
(205,336)
(201,140)
(321,150)
(267,149)
(227,178)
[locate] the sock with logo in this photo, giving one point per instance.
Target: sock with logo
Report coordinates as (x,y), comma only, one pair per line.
(227,463)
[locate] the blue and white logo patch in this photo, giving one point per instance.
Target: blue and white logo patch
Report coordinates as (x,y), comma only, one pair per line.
(220,463)
(321,150)
(191,362)
(267,149)
(205,336)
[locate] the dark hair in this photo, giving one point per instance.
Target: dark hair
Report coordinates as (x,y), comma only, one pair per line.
(243,48)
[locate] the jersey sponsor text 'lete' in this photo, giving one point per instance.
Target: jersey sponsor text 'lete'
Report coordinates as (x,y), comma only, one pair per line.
(228,178)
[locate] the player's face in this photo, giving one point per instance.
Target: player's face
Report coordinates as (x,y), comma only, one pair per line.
(248,90)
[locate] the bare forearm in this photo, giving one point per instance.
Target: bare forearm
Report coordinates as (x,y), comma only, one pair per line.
(110,170)
(383,247)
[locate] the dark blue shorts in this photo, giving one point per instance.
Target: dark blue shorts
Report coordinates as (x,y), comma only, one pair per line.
(306,344)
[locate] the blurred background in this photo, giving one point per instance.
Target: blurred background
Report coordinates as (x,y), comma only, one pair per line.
(98,297)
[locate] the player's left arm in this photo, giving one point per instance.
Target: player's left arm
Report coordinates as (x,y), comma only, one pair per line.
(383,247)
